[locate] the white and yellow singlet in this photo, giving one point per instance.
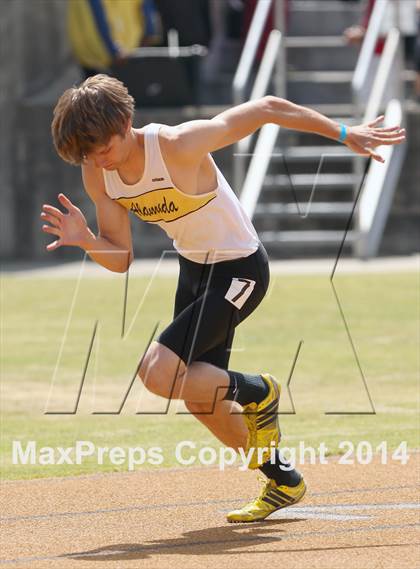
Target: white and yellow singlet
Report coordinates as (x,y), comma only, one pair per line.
(205,228)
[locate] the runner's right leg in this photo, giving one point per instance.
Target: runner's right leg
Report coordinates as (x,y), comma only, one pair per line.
(225,421)
(173,366)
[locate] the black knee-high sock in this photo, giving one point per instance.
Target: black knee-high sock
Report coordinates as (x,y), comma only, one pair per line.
(245,388)
(282,477)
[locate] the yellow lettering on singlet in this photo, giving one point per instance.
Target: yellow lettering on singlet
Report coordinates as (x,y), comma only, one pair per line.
(166,204)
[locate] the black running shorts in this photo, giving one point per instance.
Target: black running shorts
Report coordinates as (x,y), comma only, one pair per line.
(211,300)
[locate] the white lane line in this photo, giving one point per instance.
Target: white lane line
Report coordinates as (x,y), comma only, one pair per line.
(333,512)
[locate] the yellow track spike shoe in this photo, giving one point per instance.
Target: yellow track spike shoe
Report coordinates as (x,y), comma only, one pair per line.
(263,425)
(271,499)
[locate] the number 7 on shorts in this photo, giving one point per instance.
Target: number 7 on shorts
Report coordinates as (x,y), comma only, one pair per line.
(239,291)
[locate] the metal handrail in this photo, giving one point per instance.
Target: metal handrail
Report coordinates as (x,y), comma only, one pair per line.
(265,70)
(249,51)
(381,81)
(260,88)
(381,180)
(379,90)
(258,167)
(361,77)
(378,190)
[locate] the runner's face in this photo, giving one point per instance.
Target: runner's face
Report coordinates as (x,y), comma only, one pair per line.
(111,155)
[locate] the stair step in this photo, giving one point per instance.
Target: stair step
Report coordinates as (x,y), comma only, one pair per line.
(337,181)
(311,93)
(299,153)
(313,42)
(320,53)
(323,18)
(343,110)
(327,7)
(303,209)
(312,87)
(307,238)
(321,76)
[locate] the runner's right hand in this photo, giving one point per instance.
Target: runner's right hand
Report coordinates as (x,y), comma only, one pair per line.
(70,228)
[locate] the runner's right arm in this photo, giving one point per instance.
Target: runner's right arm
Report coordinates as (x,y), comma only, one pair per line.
(112,247)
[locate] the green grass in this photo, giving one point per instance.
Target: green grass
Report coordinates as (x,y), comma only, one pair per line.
(381,310)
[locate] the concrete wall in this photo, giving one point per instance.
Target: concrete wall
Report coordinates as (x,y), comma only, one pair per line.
(8,95)
(33,52)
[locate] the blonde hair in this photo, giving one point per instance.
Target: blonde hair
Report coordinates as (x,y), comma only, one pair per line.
(87,116)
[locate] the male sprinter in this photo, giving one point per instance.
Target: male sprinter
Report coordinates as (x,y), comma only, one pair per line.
(166,175)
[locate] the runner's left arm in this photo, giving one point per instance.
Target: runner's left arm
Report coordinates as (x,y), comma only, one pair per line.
(194,139)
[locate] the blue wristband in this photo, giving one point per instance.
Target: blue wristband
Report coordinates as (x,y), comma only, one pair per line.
(343,133)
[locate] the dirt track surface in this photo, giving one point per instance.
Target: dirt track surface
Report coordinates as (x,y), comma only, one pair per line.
(353,516)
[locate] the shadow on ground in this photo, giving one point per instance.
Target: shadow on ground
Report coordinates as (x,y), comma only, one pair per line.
(210,541)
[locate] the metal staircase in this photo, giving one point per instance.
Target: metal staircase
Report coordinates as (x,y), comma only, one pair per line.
(308,193)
